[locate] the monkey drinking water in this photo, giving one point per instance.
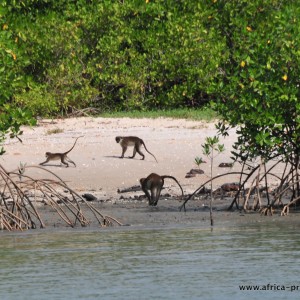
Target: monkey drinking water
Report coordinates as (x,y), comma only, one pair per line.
(63,157)
(155,183)
(137,143)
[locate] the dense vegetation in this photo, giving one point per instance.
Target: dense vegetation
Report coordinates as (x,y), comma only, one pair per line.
(258,87)
(241,56)
(108,54)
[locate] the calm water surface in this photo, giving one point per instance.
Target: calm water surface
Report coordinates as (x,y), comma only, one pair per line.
(167,263)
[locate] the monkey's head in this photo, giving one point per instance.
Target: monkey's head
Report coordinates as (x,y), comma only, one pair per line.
(47,154)
(142,180)
(118,138)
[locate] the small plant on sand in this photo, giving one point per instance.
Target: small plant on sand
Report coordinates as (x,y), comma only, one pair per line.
(211,148)
(198,161)
(54,131)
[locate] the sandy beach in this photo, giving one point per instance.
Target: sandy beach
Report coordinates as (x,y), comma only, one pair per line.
(100,172)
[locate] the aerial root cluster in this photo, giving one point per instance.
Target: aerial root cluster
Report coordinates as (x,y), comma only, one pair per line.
(264,198)
(22,198)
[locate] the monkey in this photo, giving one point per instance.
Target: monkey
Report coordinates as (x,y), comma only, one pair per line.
(62,156)
(134,141)
(155,183)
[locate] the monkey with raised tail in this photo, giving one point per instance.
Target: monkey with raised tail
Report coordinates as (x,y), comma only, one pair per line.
(136,142)
(155,183)
(63,157)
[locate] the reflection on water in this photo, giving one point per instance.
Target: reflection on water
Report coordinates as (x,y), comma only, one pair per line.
(167,263)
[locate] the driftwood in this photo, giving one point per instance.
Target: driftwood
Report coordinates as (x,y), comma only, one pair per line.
(134,188)
(193,173)
(225,165)
(21,197)
(85,112)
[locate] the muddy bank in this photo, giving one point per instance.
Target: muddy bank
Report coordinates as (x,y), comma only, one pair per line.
(100,171)
(137,214)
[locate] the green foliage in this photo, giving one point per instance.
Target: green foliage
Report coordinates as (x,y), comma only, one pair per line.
(204,114)
(211,145)
(11,119)
(242,56)
(120,55)
(151,56)
(258,83)
(12,80)
(37,105)
(198,161)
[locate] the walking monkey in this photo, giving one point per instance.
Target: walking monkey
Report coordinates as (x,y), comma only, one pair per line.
(136,142)
(63,157)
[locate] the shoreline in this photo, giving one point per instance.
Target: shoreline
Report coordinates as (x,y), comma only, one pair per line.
(102,173)
(137,215)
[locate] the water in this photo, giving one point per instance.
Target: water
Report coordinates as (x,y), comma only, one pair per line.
(167,263)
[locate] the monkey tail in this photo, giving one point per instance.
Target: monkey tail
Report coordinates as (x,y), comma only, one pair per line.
(149,151)
(74,144)
(171,177)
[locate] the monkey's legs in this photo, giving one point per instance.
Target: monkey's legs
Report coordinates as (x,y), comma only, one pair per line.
(70,161)
(124,148)
(134,152)
(138,150)
(42,163)
(155,193)
(140,153)
(147,195)
(63,161)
